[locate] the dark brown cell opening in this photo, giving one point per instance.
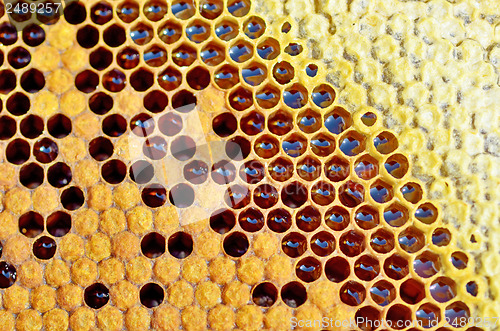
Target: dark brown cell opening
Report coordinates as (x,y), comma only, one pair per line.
(459,260)
(87,81)
(184,101)
(323,243)
(226,76)
(18,104)
(183,9)
(8,275)
(283,72)
(180,245)
(7,127)
(351,194)
(59,126)
(411,240)
(279,220)
(309,168)
(31,224)
(101,58)
(294,195)
(18,151)
(294,294)
(367,318)
(155,56)
(101,13)
(101,148)
(224,124)
(151,295)
(366,217)
(32,81)
(366,268)
(382,241)
(31,175)
(352,293)
(96,295)
(338,120)
(212,54)
(114,80)
(45,150)
(59,175)
(441,237)
(368,118)
(7,81)
(412,192)
(222,221)
(426,213)
(323,95)
(223,172)
(236,244)
(269,49)
(59,223)
(170,79)
(265,294)
(308,219)
(181,195)
(251,220)
(114,36)
(33,35)
(155,10)
(254,74)
(238,148)
(183,148)
(252,172)
(128,58)
(308,269)
(19,57)
(75,13)
(141,172)
(294,244)
(100,103)
(142,125)
(114,125)
(352,243)
(141,80)
(412,291)
(309,121)
(337,169)
(8,34)
(323,193)
(184,55)
(237,196)
(31,126)
(44,248)
(198,78)
(72,198)
(399,316)
(154,195)
(385,142)
(170,124)
(196,172)
(337,218)
(383,293)
(397,165)
(211,9)
(87,36)
(396,215)
(155,101)
(396,267)
(265,196)
(114,171)
(153,245)
(241,99)
(366,167)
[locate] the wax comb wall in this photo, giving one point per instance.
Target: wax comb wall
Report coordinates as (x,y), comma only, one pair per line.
(288,206)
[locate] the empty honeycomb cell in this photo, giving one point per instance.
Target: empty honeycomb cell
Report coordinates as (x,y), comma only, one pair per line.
(8,275)
(293,49)
(114,171)
(18,104)
(142,125)
(237,196)
(196,172)
(383,293)
(154,195)
(170,32)
(183,9)
(31,224)
(366,217)
(254,27)
(338,120)
(295,96)
(8,81)
(59,175)
(155,56)
(426,213)
(183,148)
(337,218)
(254,74)
(427,264)
(308,219)
(385,142)
(141,80)
(268,97)
(141,33)
(198,78)
(180,245)
(33,35)
(397,165)
(7,127)
(100,103)
(211,9)
(396,215)
(128,58)
(75,13)
(184,101)
(100,58)
(265,196)
(352,293)
(323,243)
(31,126)
(323,95)
(265,294)
(212,54)
(441,237)
(155,148)
(8,34)
(412,291)
(337,169)
(87,81)
(269,49)
(101,13)
(411,240)
(59,223)
(114,125)
(398,316)
(308,269)
(396,267)
(72,198)
(18,151)
(96,295)
(294,294)
(294,244)
(322,145)
(19,57)
(253,123)
(238,148)
(251,220)
(309,121)
(412,192)
(294,195)
(32,81)
(151,295)
(44,248)
(472,288)
(87,36)
(31,175)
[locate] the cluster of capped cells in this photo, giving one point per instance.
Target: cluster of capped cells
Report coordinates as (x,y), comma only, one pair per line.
(340,200)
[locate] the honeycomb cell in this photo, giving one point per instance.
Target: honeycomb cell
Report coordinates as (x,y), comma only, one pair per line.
(100,103)
(141,80)
(396,267)
(396,215)
(44,248)
(459,260)
(283,72)
(31,126)
(183,148)
(45,150)
(196,172)
(72,198)
(397,165)
(254,27)
(100,58)
(18,151)
(213,54)
(31,175)
(412,291)
(323,193)
(183,9)
(352,243)
(7,127)
(31,224)
(441,237)
(294,244)
(114,36)
(338,120)
(223,172)
(226,30)
(180,245)
(293,49)
(322,145)
(366,217)
(114,125)
(295,145)
(308,219)
(181,195)
(337,218)
(385,142)
(75,13)
(254,74)
(154,195)
(59,175)
(241,51)
(252,172)
(337,169)
(309,121)
(236,244)
(352,293)
(294,195)
(352,143)
(197,31)
(337,269)
(366,167)
(151,295)
(141,33)
(8,34)
(155,56)
(33,35)
(101,13)
(251,220)
(427,264)
(170,124)
(87,81)
(295,96)
(472,288)
(456,313)
(155,148)
(18,104)
(427,314)
(399,316)
(59,223)
(8,275)
(308,269)
(367,318)
(19,57)
(227,77)
(96,295)
(268,97)
(312,70)
(280,122)
(412,192)
(101,148)
(155,10)
(253,123)
(184,101)
(323,243)
(238,148)
(351,194)
(198,78)
(211,9)
(141,172)
(323,95)
(170,79)
(170,32)
(383,293)
(294,294)
(266,146)
(87,36)
(268,49)
(411,240)
(265,196)
(222,221)
(153,245)
(443,289)
(59,126)
(128,11)
(426,213)
(279,220)
(7,81)
(265,294)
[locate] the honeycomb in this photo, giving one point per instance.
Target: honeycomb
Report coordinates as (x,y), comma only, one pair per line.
(189,165)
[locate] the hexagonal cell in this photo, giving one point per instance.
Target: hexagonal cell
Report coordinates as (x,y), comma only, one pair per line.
(279,220)
(223,172)
(280,122)
(170,32)
(337,169)
(31,224)
(294,294)
(254,74)
(128,11)
(411,240)
(427,315)
(323,243)
(366,167)
(113,171)
(154,195)
(366,268)
(268,49)
(213,53)
(352,243)
(295,145)
(128,58)
(184,55)
(366,217)
(399,316)
(412,192)
(241,99)
(196,172)
(155,56)
(252,171)
(227,77)
(323,193)
(412,291)
(45,150)
(322,145)
(426,213)
(237,196)
(294,244)
(294,195)
(101,13)
(323,95)
(198,78)
(265,196)
(352,293)
(338,120)
(141,33)
(183,9)
(155,10)
(265,294)
(427,264)
(351,194)
(114,35)
(459,260)
(385,142)
(309,121)
(441,237)
(197,31)
(211,9)
(456,312)
(268,97)
(222,221)
(367,318)
(396,215)
(283,72)
(266,146)
(396,267)
(308,269)
(352,143)
(251,219)
(181,195)
(472,288)
(383,293)
(151,295)
(295,96)
(153,245)
(337,218)
(180,245)
(308,219)
(226,29)
(254,27)
(443,289)
(241,51)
